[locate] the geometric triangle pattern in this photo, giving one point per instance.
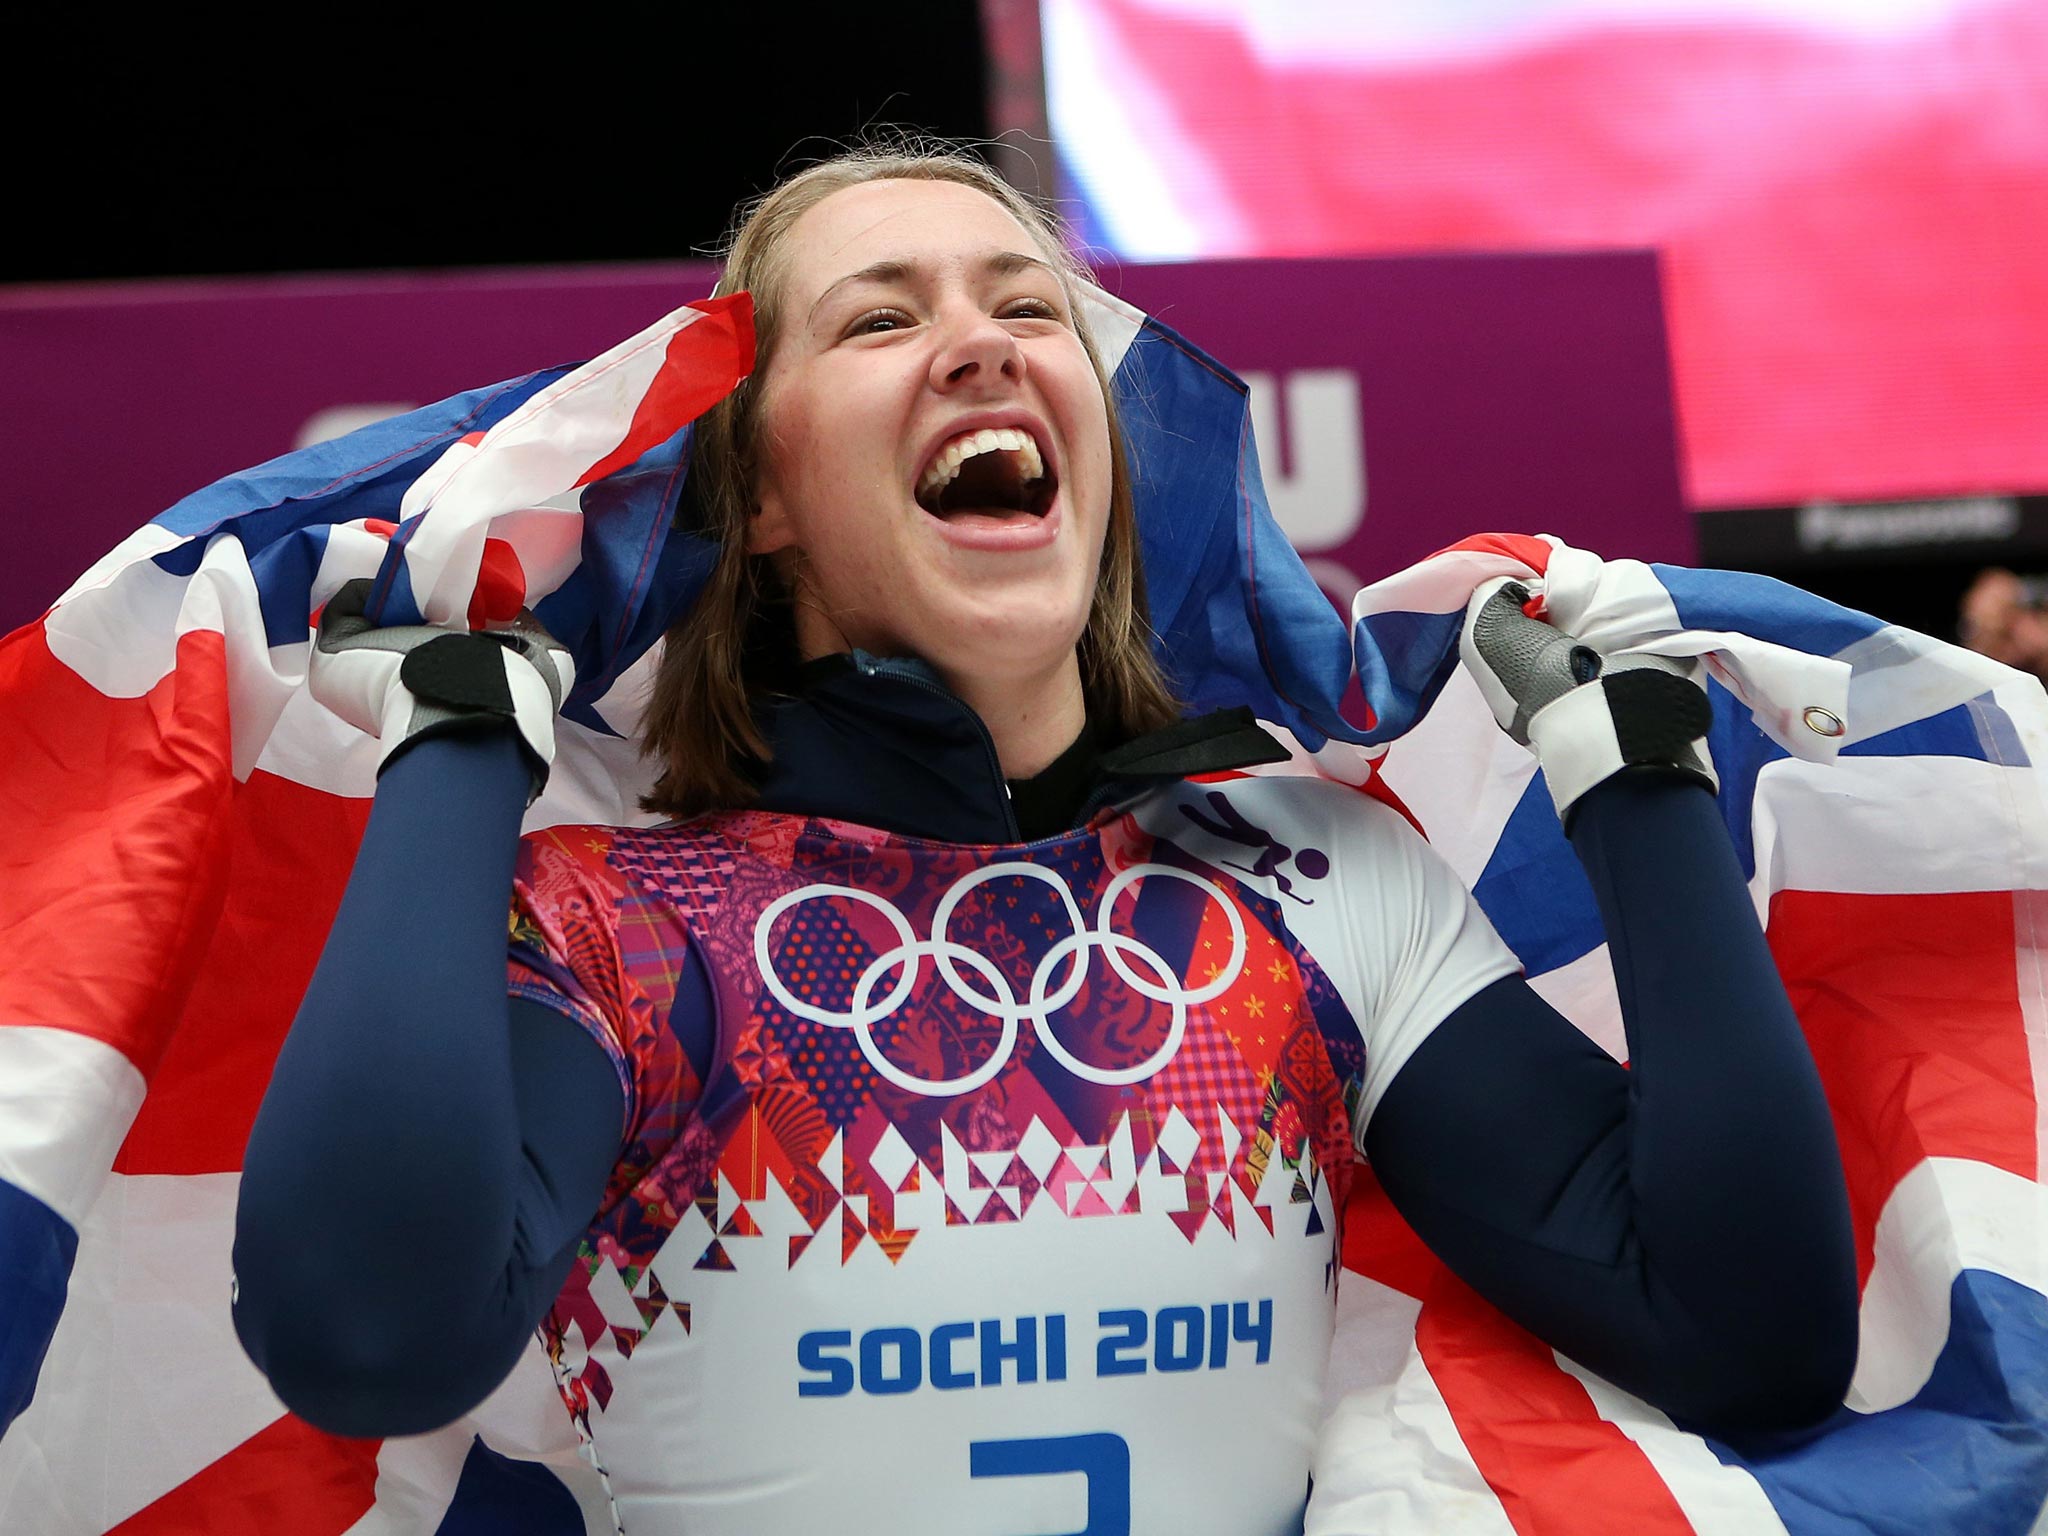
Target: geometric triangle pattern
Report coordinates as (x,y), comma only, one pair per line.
(916,1036)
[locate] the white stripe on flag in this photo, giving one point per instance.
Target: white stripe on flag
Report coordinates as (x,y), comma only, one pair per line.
(1112,325)
(1463,796)
(1389,1458)
(1948,1215)
(2030,927)
(417,1475)
(1717,1500)
(123,639)
(1444,583)
(1583,991)
(1900,825)
(526,462)
(145,1382)
(1901,676)
(1620,606)
(416,1480)
(149,540)
(66,1102)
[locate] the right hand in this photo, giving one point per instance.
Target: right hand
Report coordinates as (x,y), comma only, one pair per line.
(1586,716)
(410,682)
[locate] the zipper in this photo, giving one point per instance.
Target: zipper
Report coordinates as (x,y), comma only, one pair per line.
(911,673)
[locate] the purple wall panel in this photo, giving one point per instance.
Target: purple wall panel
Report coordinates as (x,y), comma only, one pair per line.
(1403,402)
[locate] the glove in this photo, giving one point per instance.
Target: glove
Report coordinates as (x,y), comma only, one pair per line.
(408,683)
(1586,717)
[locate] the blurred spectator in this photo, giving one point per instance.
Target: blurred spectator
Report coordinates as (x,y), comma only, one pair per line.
(2006,617)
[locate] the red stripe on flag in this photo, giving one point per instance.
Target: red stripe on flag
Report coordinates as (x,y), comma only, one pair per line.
(1531,551)
(705,360)
(1558,1468)
(291,849)
(113,855)
(1911,1006)
(500,586)
(289,1478)
(1530,1427)
(1380,1245)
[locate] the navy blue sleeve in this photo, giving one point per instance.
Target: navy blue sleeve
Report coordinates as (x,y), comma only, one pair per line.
(1680,1226)
(429,1150)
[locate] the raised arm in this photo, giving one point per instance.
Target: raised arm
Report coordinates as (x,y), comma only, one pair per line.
(1680,1226)
(427,1152)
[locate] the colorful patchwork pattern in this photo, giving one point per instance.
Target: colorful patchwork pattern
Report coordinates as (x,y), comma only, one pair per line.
(916,1035)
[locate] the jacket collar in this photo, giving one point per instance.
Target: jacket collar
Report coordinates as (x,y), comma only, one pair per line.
(881,742)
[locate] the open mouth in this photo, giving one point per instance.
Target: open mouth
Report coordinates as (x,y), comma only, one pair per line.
(996,472)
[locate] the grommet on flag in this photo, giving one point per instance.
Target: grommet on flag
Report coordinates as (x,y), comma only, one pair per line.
(1823,722)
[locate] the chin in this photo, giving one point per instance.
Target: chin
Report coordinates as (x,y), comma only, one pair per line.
(1007,639)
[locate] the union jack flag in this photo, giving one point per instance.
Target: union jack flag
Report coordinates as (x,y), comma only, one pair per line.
(179,819)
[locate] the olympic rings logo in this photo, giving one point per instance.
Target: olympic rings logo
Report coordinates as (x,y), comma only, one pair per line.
(998,999)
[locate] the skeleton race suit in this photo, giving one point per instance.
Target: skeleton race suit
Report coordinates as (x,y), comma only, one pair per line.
(1010,1160)
(967,1156)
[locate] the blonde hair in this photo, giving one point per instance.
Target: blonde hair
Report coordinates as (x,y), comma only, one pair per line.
(737,640)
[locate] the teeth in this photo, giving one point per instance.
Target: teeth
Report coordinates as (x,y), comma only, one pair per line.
(946,467)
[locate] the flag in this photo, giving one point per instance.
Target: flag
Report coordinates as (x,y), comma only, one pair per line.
(181,817)
(1884,793)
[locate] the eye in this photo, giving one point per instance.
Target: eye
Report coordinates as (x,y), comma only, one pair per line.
(878,322)
(1030,309)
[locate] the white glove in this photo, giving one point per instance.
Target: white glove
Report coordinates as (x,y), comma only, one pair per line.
(1586,717)
(407,683)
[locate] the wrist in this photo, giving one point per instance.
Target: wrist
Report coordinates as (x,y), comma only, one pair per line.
(1641,718)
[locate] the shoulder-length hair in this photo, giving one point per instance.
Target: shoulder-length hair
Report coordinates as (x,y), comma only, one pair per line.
(737,641)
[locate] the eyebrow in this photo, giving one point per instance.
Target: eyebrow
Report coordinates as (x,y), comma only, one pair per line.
(1001,264)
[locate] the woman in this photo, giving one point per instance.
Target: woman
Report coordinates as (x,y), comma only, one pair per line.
(957,1094)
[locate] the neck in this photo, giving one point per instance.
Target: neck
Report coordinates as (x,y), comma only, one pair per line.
(1031,720)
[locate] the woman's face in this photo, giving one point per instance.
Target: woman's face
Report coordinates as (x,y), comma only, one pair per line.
(933,444)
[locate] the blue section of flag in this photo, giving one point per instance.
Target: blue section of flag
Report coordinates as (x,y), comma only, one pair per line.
(1765,608)
(1404,659)
(1982,732)
(1740,751)
(498,1496)
(1968,1453)
(37,1250)
(375,463)
(633,574)
(1238,618)
(1534,891)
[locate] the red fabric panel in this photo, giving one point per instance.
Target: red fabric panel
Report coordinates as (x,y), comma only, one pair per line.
(290,1478)
(291,849)
(1380,1245)
(1532,1431)
(500,586)
(1911,1005)
(1558,1468)
(1528,549)
(704,360)
(113,841)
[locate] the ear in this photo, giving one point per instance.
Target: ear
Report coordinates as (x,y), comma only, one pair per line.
(770,528)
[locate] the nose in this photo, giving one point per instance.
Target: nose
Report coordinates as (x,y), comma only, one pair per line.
(975,348)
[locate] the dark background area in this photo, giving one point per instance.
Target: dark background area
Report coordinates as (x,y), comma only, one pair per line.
(601,133)
(183,149)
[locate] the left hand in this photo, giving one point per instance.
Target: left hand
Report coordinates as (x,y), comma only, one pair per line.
(1584,715)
